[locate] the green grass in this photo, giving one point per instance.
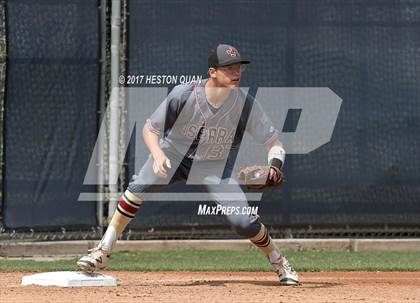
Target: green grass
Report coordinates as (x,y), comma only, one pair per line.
(202,260)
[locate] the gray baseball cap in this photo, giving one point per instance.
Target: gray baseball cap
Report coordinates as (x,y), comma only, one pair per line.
(223,55)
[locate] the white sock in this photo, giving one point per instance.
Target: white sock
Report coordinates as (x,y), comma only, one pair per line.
(274,255)
(109,238)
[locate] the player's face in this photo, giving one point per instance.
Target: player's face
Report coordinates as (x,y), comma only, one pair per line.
(228,76)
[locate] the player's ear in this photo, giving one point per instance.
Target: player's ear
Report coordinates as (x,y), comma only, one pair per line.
(212,72)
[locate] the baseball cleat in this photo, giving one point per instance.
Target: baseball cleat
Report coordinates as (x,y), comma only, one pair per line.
(96,259)
(287,275)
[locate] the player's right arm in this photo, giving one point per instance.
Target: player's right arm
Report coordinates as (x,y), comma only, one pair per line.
(160,122)
(161,161)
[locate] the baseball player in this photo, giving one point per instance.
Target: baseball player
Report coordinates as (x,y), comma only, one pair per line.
(192,137)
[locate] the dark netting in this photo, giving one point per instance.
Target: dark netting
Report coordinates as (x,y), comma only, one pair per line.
(51,118)
(2,83)
(365,51)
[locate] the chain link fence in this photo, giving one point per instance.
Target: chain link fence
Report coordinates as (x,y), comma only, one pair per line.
(158,42)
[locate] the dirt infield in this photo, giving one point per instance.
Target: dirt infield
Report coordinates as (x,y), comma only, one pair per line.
(225,287)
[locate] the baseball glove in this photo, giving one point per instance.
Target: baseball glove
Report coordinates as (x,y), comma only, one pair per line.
(257,176)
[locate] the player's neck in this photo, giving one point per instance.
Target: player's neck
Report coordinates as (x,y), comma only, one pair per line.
(216,95)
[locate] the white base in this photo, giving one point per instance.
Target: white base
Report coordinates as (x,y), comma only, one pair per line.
(69,279)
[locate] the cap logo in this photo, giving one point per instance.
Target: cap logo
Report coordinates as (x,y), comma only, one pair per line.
(232,52)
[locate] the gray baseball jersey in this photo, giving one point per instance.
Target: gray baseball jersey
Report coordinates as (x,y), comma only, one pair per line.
(190,125)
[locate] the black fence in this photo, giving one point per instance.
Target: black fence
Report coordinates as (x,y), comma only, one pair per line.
(367,177)
(50,111)
(365,51)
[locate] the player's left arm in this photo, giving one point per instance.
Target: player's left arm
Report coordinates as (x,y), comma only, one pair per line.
(276,157)
(262,129)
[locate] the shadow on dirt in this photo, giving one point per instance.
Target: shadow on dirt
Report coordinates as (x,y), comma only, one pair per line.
(253,282)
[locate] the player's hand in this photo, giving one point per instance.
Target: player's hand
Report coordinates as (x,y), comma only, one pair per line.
(261,176)
(161,164)
(273,176)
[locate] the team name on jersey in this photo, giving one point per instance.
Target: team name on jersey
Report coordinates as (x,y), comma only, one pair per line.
(211,135)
